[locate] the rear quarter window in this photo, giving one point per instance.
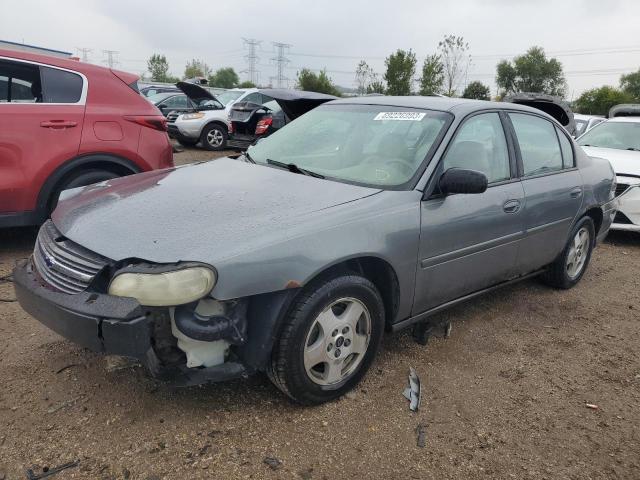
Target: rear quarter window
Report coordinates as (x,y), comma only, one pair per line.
(568,160)
(59,86)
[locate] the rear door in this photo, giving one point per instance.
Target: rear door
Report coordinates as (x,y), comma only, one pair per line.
(552,187)
(470,242)
(41,116)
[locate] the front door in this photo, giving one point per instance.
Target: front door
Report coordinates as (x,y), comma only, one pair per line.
(469,242)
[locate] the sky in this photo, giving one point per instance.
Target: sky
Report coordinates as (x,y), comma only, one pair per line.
(596,40)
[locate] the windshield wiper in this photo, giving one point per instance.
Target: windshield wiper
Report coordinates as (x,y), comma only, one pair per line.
(293,168)
(246,155)
(633,149)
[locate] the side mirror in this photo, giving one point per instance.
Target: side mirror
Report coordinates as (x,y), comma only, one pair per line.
(460,180)
(161,106)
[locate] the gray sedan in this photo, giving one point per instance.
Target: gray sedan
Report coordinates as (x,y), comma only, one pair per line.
(361,217)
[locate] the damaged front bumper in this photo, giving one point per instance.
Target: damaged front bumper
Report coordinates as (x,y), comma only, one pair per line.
(628,215)
(119,326)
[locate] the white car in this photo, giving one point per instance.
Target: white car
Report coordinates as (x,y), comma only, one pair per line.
(584,123)
(618,140)
(209,126)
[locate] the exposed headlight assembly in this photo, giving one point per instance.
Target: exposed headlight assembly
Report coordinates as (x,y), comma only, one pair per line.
(162,289)
(192,116)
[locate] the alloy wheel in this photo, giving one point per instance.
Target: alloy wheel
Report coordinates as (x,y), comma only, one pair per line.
(578,252)
(337,341)
(215,138)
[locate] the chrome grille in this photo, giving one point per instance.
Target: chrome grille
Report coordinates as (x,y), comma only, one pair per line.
(63,264)
(171,118)
(621,188)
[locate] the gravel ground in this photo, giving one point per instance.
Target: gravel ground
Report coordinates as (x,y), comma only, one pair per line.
(506,396)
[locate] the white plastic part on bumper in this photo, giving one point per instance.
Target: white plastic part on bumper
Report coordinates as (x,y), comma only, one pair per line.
(199,353)
(629,206)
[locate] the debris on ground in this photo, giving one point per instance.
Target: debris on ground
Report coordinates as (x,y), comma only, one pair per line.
(421,430)
(448,326)
(49,472)
(71,365)
(273,463)
(115,363)
(592,406)
(412,392)
(65,404)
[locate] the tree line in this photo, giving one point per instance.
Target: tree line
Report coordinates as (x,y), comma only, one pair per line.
(443,72)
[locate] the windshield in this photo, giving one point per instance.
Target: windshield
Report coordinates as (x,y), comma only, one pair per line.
(618,135)
(373,145)
(229,96)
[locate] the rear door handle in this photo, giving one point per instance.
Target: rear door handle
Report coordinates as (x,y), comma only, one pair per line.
(511,206)
(576,192)
(58,124)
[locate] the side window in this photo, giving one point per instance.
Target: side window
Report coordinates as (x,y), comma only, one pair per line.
(538,144)
(19,82)
(480,145)
(60,86)
(567,152)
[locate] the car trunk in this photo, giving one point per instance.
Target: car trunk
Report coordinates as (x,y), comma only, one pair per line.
(554,106)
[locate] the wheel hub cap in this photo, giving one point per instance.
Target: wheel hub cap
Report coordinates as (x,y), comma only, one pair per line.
(578,250)
(337,341)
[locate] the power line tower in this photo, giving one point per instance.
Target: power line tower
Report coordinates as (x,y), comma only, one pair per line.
(252,59)
(111,59)
(85,53)
(281,62)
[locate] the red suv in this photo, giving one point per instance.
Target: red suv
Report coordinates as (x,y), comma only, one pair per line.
(66,124)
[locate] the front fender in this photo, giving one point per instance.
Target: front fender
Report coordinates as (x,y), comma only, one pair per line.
(386,226)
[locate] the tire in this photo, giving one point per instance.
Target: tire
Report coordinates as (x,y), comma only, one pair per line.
(214,137)
(314,359)
(186,142)
(567,270)
(80,179)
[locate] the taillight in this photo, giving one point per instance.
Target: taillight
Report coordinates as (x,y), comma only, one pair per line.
(157,122)
(230,124)
(263,125)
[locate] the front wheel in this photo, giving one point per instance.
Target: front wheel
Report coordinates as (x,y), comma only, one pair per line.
(329,339)
(570,266)
(214,137)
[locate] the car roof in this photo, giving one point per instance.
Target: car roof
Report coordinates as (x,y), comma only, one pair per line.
(69,64)
(582,116)
(624,119)
(457,106)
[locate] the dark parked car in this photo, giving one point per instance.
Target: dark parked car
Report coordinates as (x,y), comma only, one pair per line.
(363,216)
(149,90)
(66,124)
(250,121)
(168,102)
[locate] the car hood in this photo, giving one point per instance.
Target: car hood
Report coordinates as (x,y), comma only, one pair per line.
(624,162)
(202,212)
(195,92)
(297,102)
(551,105)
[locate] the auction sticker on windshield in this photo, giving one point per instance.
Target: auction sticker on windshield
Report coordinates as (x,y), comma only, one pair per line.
(411,116)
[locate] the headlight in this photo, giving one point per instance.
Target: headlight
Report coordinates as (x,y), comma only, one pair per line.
(192,116)
(176,287)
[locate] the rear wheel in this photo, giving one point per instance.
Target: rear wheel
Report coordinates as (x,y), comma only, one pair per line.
(80,179)
(570,266)
(214,137)
(328,340)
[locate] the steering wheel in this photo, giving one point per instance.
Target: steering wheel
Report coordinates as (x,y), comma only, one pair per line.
(401,164)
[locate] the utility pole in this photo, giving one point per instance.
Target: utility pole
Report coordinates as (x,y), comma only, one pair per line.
(252,59)
(281,62)
(111,57)
(85,53)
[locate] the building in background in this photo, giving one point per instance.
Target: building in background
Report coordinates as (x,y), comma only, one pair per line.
(23,47)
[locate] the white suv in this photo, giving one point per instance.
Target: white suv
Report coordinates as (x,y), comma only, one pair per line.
(209,126)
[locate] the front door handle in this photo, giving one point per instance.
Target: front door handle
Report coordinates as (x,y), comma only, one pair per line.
(58,124)
(511,206)
(576,192)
